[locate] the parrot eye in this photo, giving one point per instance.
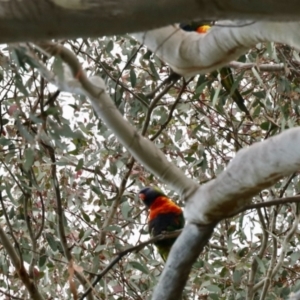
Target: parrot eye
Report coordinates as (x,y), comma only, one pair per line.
(142,196)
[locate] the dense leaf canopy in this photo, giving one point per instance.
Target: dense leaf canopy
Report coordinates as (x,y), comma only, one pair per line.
(60,165)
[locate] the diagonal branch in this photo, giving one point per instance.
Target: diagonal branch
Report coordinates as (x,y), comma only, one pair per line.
(121,254)
(190,53)
(18,264)
(141,148)
(253,169)
(181,258)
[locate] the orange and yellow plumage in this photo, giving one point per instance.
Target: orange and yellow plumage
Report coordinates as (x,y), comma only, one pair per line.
(164,216)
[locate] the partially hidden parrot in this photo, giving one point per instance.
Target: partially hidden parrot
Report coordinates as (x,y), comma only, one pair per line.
(164,216)
(227,80)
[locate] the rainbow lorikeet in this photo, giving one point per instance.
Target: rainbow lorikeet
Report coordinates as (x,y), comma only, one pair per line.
(164,215)
(227,80)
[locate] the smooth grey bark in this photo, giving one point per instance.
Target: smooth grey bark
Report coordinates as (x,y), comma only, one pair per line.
(28,20)
(183,254)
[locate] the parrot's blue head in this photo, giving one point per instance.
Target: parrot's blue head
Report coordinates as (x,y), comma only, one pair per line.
(149,194)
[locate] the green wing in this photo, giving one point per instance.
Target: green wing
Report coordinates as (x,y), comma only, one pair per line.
(166,223)
(227,82)
(226,74)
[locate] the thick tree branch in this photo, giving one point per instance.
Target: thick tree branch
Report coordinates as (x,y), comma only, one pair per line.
(295,296)
(47,19)
(260,67)
(183,254)
(191,53)
(176,233)
(252,170)
(141,148)
(131,161)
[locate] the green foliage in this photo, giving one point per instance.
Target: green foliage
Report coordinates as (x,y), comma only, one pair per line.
(198,131)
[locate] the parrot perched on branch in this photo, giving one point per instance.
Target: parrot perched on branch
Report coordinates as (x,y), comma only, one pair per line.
(227,80)
(164,216)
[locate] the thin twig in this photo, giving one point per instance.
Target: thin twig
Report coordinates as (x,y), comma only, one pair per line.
(60,216)
(173,76)
(121,254)
(277,201)
(18,264)
(268,277)
(282,191)
(154,102)
(283,250)
(17,245)
(10,296)
(117,200)
(163,126)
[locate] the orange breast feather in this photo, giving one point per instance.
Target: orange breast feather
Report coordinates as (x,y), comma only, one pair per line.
(203,29)
(163,205)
